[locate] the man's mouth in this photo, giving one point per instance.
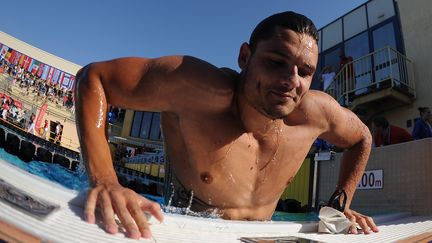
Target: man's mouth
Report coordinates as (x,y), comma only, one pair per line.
(282,96)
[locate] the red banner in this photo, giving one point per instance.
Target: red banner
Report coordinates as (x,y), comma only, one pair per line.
(17,103)
(40,116)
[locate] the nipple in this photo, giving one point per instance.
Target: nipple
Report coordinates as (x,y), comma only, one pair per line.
(206,177)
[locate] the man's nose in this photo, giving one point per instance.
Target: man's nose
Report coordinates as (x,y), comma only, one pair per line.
(290,78)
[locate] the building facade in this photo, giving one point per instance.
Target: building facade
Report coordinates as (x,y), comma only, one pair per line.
(45,66)
(390,75)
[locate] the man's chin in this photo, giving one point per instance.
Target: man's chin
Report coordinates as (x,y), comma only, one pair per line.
(278,113)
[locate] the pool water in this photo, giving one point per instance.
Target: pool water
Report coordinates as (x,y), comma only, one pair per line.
(77,180)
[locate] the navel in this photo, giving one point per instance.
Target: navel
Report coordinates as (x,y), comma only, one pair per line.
(206,177)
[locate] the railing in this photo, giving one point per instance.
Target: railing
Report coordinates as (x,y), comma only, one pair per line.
(383,69)
(114,129)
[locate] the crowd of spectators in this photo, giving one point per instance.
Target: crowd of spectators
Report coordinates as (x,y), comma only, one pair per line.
(386,133)
(44,91)
(10,111)
(115,114)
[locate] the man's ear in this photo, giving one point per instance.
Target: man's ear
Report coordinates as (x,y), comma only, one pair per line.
(244,54)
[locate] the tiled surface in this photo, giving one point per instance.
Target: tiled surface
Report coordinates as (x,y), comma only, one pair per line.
(66,225)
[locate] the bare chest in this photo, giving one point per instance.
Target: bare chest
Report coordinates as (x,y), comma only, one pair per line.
(217,160)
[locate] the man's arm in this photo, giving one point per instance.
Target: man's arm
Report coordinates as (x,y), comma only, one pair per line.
(97,83)
(170,84)
(344,129)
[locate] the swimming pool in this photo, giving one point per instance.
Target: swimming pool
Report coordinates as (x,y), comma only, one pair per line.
(77,180)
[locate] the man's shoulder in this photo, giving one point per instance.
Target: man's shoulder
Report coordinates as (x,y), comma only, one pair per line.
(316,104)
(320,107)
(313,98)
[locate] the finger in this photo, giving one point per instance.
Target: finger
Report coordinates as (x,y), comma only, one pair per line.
(126,219)
(353,228)
(90,206)
(372,224)
(108,213)
(153,208)
(140,220)
(362,223)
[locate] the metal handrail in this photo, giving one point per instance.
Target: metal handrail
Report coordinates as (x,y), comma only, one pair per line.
(384,68)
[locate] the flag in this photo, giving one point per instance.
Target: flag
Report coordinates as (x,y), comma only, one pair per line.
(12,55)
(34,66)
(21,60)
(45,72)
(72,83)
(50,74)
(40,69)
(66,80)
(55,76)
(4,50)
(17,58)
(8,54)
(26,62)
(60,80)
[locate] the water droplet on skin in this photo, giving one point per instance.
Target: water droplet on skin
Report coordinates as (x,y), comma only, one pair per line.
(172,195)
(190,202)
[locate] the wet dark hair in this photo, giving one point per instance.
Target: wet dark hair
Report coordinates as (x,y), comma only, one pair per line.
(289,20)
(381,122)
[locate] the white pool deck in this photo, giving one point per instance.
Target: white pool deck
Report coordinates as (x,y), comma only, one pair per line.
(66,224)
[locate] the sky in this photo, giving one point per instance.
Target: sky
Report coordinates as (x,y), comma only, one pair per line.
(84,31)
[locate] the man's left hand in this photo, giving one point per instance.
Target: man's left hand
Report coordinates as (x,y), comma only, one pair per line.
(366,223)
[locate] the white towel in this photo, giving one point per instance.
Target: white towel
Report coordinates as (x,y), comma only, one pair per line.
(332,221)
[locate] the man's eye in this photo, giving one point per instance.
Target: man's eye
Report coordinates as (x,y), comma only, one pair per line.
(303,73)
(276,63)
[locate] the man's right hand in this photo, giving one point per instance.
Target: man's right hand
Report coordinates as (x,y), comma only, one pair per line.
(111,199)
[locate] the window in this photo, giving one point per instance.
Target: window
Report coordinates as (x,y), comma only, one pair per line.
(146,125)
(358,47)
(331,58)
(379,11)
(382,37)
(155,127)
(136,124)
(332,34)
(355,22)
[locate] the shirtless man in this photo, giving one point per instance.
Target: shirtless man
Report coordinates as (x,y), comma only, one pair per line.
(235,139)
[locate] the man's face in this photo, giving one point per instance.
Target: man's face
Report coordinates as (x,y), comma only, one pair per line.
(279,72)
